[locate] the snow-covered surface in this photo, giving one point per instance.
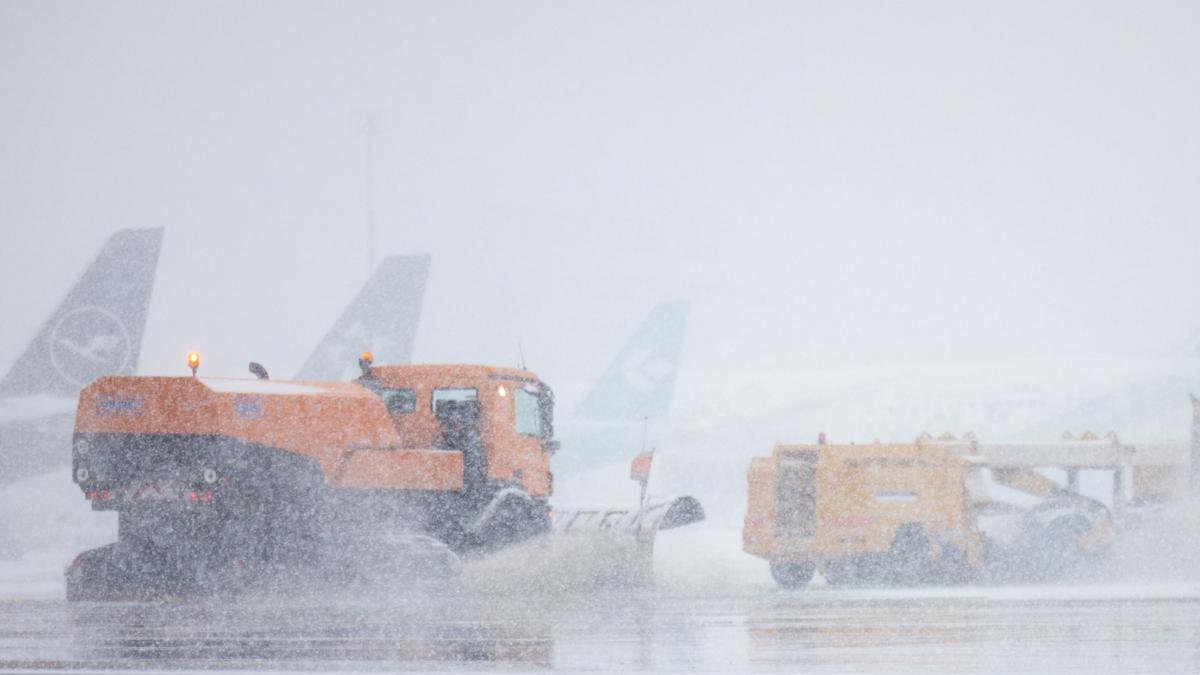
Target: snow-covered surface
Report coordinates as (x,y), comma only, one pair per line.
(246,386)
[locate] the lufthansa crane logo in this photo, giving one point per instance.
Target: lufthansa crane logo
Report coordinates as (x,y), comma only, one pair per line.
(87,343)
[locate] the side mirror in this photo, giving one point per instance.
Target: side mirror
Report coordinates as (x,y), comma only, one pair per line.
(551,446)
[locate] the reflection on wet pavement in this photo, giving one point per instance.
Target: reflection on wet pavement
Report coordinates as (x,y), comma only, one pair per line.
(649,630)
(977,634)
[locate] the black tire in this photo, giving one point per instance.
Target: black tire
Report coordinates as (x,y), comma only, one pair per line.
(108,573)
(792,575)
(909,554)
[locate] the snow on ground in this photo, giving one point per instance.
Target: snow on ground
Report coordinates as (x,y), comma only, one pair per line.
(36,576)
(49,522)
(230,385)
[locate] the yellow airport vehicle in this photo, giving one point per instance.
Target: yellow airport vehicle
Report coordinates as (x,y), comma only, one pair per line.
(928,511)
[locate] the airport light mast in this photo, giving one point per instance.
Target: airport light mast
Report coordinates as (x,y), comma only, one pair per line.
(369,123)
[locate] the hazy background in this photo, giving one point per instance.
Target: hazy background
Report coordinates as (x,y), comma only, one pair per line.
(829,183)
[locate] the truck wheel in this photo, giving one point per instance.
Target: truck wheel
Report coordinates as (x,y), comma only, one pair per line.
(792,575)
(909,555)
(107,573)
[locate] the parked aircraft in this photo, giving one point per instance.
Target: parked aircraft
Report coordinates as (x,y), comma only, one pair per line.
(96,330)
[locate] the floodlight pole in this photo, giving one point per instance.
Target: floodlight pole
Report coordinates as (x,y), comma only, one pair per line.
(370,125)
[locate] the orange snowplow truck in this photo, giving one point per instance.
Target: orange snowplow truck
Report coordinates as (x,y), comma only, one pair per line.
(223,483)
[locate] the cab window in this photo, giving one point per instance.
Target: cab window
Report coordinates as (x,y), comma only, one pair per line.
(399,401)
(529,418)
(453,394)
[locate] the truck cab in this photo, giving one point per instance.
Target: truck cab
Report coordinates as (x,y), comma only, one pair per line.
(500,419)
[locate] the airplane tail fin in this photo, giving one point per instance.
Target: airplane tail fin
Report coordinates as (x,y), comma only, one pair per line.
(640,382)
(97,329)
(382,318)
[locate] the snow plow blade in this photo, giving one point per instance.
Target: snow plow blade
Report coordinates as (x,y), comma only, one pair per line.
(614,546)
(659,514)
(587,548)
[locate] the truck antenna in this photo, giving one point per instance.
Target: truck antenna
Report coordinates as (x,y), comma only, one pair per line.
(520,353)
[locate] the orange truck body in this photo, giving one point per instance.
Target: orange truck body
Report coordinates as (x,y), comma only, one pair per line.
(225,483)
(342,426)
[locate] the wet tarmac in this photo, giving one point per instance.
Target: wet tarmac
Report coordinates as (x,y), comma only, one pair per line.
(1025,629)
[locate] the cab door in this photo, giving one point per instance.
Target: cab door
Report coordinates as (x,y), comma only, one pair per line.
(796,499)
(522,436)
(460,417)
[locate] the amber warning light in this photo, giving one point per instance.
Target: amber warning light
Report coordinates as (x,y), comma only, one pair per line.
(193,361)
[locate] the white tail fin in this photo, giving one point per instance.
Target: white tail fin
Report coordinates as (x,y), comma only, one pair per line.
(383,318)
(640,382)
(610,422)
(97,329)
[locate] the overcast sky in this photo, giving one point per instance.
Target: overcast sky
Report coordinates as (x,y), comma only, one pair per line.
(827,182)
